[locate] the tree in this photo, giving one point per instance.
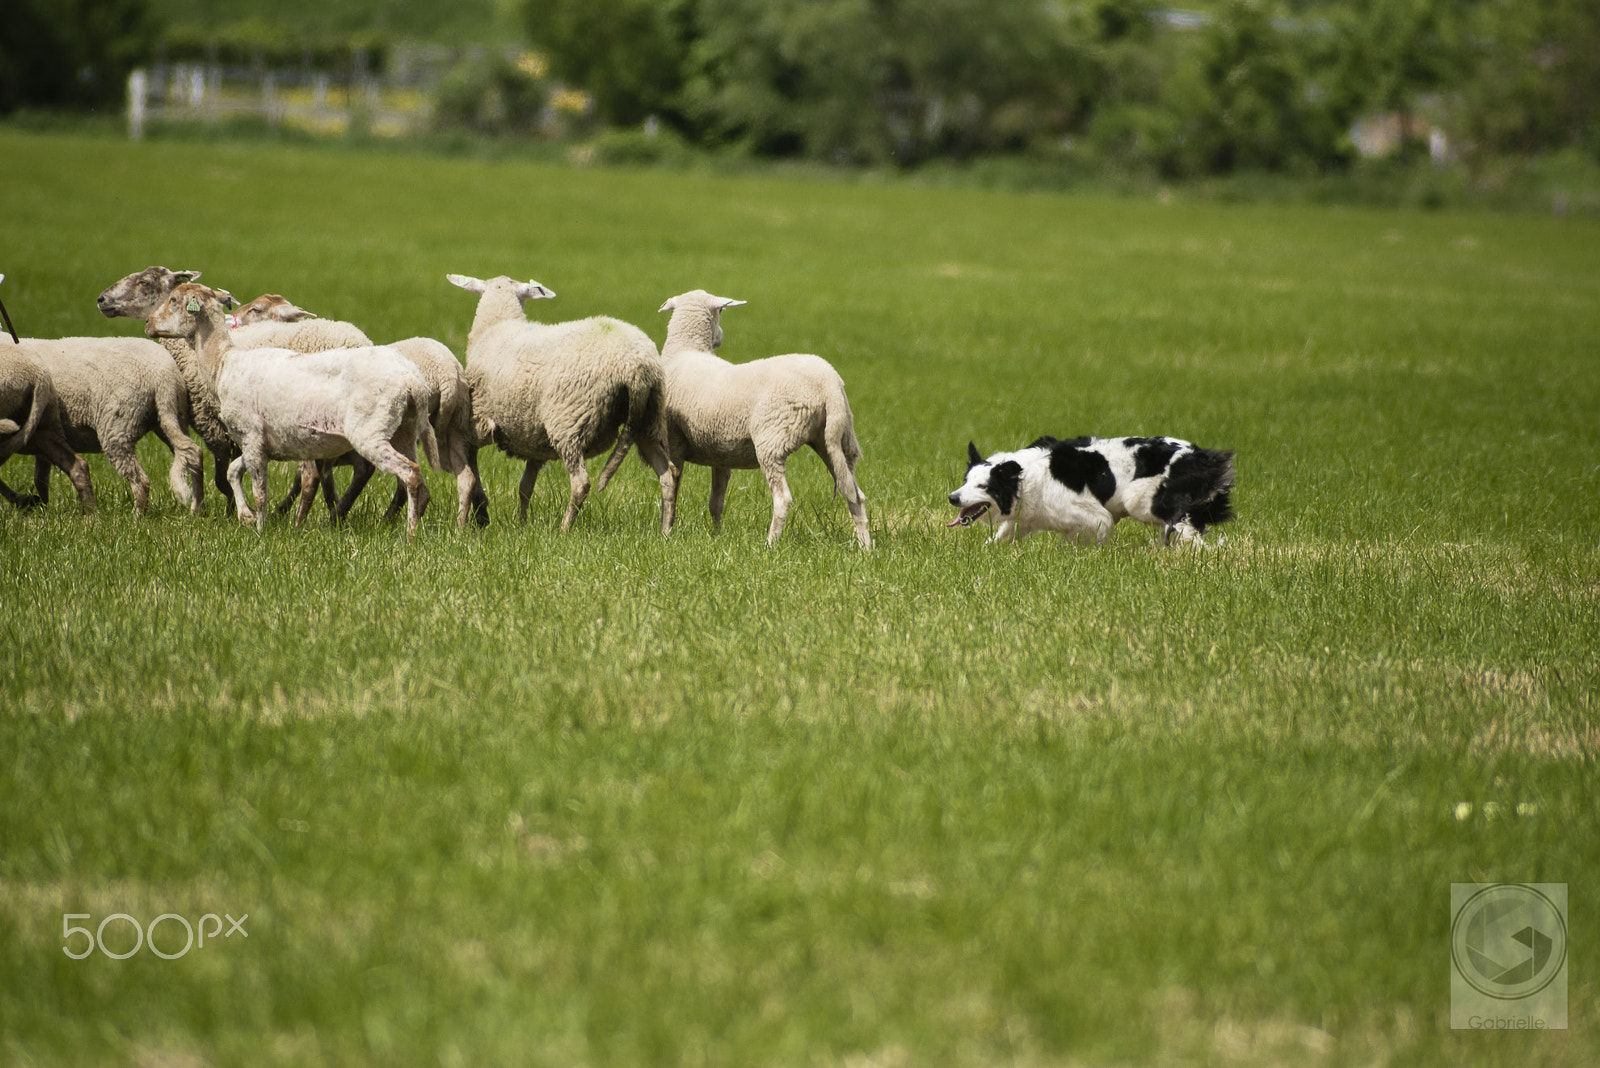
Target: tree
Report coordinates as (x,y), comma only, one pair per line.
(1249,105)
(1534,80)
(71,54)
(629,54)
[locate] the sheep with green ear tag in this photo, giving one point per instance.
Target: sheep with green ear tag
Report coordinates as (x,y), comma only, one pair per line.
(137,295)
(279,404)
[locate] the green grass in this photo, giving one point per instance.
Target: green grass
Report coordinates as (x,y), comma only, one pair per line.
(508,796)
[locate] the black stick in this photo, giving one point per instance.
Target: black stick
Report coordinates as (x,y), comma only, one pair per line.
(9,328)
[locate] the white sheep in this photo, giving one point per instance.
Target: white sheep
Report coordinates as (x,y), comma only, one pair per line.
(282,404)
(138,295)
(450,411)
(724,415)
(547,391)
(272,322)
(112,391)
(30,423)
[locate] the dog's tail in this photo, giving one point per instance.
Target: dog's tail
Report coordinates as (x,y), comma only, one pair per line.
(1198,489)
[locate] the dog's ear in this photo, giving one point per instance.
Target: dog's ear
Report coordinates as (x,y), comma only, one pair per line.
(974,457)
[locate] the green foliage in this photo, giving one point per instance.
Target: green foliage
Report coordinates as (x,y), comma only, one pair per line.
(316,22)
(629,53)
(256,42)
(1535,82)
(491,94)
(1121,84)
(1246,106)
(71,54)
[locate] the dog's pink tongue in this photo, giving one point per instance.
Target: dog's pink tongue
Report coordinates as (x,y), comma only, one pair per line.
(956,522)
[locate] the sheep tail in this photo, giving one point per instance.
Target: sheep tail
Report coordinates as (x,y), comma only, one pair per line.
(644,401)
(18,436)
(643,420)
(426,438)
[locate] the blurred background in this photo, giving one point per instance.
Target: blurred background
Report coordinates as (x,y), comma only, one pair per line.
(1461,97)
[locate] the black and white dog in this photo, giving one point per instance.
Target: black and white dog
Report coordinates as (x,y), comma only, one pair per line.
(1080,488)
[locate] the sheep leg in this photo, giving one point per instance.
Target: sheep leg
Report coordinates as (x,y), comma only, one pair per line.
(363,472)
(385,457)
(305,489)
(844,482)
(400,499)
(719,494)
(258,487)
(468,489)
(618,454)
(579,475)
(858,516)
(478,498)
(220,477)
(669,475)
(41,480)
(330,491)
(236,481)
(56,452)
(72,464)
(16,498)
(126,464)
(187,476)
(781,498)
(307,470)
(530,475)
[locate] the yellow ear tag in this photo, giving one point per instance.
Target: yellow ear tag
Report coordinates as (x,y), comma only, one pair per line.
(193,305)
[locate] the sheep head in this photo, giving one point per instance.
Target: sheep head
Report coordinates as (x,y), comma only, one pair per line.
(140,293)
(698,306)
(270,307)
(181,313)
(529,290)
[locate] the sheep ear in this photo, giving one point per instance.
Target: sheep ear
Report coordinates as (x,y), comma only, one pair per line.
(229,301)
(726,302)
(185,276)
(670,305)
(470,284)
(532,290)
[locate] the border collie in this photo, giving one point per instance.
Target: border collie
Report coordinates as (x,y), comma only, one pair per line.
(1081,487)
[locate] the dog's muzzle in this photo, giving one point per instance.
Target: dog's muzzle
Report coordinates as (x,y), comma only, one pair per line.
(969,514)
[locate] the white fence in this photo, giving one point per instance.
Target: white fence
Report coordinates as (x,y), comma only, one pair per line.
(389,105)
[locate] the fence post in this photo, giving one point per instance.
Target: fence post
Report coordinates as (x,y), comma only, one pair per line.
(136,89)
(269,99)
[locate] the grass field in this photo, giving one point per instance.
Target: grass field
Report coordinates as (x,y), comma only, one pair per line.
(513,797)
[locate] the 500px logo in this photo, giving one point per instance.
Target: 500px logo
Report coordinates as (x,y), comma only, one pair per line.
(145,936)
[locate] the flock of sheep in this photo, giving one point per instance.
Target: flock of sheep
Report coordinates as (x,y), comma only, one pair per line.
(271,381)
